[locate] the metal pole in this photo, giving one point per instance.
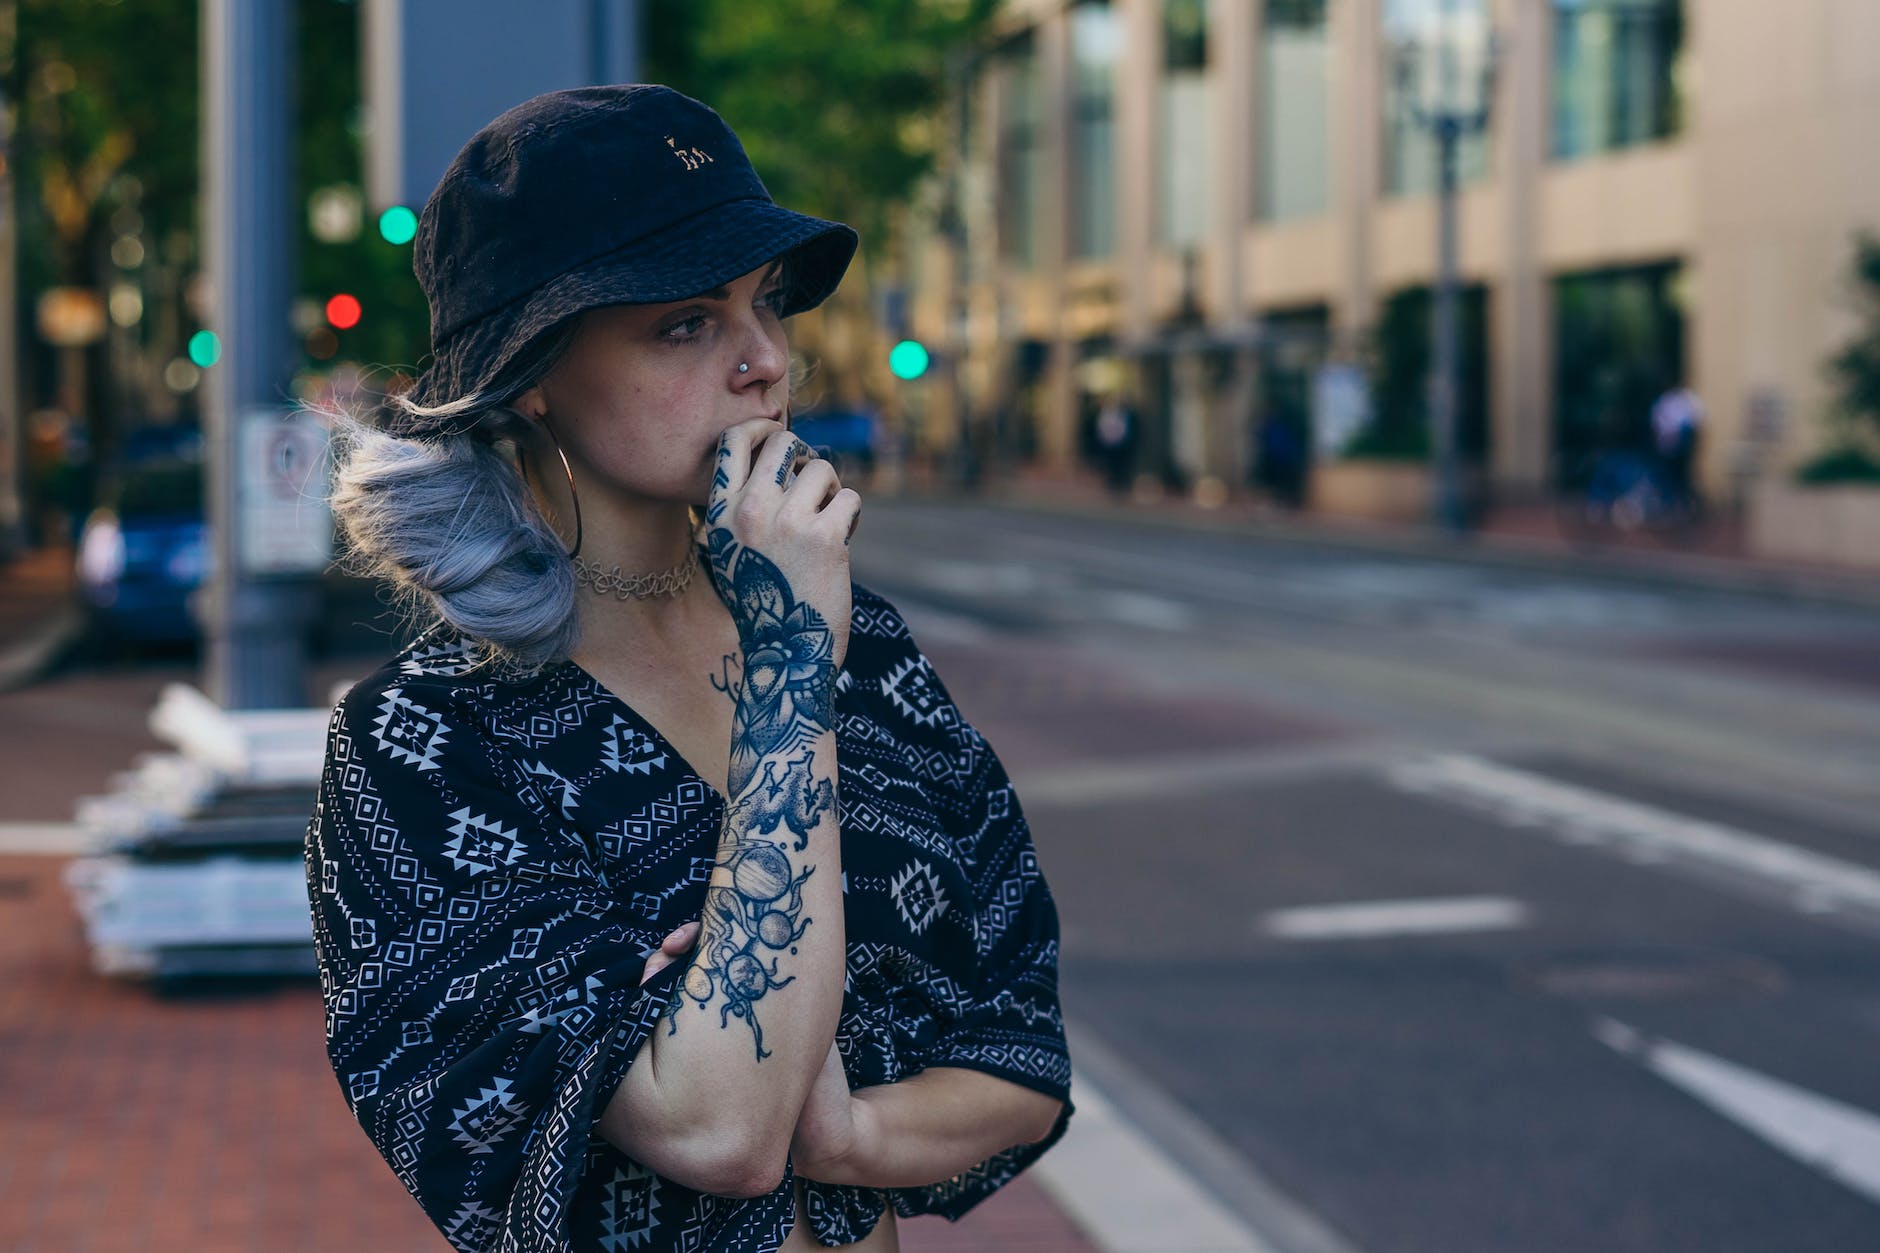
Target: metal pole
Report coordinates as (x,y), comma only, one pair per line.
(1445,377)
(255,651)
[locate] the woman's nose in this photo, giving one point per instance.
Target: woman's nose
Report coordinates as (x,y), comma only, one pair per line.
(768,359)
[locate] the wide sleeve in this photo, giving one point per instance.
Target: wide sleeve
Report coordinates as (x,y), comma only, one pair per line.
(481,982)
(1010,1024)
(1014,1028)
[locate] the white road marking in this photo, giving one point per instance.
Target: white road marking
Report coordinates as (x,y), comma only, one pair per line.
(1363,920)
(44,839)
(940,625)
(1138,609)
(1101,783)
(1840,1140)
(1643,833)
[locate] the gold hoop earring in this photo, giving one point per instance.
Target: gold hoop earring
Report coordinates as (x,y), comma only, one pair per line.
(573,495)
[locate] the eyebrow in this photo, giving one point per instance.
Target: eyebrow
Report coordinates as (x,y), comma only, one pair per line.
(724,293)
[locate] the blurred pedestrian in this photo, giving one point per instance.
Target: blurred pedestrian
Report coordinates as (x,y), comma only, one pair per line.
(1117,432)
(1280,465)
(840,1024)
(1677,421)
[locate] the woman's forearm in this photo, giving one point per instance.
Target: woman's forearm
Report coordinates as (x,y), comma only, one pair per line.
(934,1125)
(717,1088)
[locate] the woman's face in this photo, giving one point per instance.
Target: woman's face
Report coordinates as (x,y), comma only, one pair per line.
(644,391)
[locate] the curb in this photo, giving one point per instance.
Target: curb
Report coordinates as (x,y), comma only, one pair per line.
(37,653)
(1689,571)
(1190,1192)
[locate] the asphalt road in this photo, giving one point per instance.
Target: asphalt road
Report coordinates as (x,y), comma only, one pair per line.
(1472,909)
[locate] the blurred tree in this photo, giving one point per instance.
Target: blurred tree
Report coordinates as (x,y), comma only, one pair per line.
(105,148)
(1856,368)
(837,103)
(1853,452)
(394,327)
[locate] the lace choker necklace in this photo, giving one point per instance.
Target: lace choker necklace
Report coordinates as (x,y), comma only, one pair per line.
(636,586)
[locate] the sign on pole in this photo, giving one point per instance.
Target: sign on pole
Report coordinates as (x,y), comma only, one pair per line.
(283,526)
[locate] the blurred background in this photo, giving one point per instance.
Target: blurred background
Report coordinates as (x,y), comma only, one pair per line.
(1397,480)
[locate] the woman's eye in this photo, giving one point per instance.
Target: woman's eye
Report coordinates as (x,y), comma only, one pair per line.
(772,300)
(683,329)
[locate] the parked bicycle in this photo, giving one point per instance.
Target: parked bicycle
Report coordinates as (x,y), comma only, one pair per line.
(1621,492)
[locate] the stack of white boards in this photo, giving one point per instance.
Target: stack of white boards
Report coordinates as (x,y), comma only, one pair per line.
(197,866)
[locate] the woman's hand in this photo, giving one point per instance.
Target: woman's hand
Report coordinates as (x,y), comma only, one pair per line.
(779,542)
(827,1134)
(671,949)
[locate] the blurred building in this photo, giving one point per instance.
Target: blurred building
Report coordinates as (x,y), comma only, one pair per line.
(1205,202)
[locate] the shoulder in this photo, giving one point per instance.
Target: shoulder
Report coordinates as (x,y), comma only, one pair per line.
(441,676)
(874,617)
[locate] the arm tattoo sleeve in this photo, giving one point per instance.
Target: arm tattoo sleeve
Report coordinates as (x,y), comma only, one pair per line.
(784,701)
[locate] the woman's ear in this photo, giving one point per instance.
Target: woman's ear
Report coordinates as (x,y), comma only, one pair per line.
(531,404)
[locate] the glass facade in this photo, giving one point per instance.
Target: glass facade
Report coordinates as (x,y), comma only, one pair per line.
(1619,343)
(1294,109)
(1401,377)
(1182,156)
(1615,73)
(1021,153)
(1434,53)
(1096,42)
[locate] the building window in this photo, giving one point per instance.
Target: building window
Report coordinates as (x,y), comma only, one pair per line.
(1096,41)
(1615,73)
(1022,185)
(1416,33)
(1183,153)
(1618,344)
(1400,380)
(1295,136)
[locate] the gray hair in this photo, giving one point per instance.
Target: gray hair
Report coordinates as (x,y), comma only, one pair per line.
(449,522)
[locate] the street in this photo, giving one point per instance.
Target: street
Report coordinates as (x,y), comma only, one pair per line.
(1474,909)
(1465,908)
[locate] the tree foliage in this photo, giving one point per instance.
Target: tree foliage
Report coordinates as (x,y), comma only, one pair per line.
(837,102)
(1856,367)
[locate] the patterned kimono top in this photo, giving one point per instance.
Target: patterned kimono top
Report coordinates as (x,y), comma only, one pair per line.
(494,856)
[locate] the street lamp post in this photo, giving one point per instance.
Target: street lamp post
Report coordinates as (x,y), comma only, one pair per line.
(1430,82)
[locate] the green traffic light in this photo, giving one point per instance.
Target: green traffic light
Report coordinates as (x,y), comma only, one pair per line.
(398,225)
(205,349)
(908,359)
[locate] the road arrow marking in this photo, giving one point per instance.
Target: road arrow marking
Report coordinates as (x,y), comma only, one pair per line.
(1840,1140)
(1365,920)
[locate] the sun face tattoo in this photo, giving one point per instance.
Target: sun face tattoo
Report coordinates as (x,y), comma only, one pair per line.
(783,702)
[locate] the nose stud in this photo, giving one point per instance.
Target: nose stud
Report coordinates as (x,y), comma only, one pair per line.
(744,367)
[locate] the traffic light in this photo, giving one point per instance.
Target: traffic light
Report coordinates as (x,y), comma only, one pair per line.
(908,359)
(343,312)
(205,349)
(398,225)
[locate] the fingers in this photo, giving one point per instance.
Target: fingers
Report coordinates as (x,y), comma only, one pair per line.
(670,949)
(776,459)
(738,447)
(682,939)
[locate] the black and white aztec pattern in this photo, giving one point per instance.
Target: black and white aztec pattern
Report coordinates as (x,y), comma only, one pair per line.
(492,858)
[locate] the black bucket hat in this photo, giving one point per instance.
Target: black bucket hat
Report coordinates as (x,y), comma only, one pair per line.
(628,194)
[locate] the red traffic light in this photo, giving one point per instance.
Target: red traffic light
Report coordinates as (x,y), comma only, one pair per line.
(343,312)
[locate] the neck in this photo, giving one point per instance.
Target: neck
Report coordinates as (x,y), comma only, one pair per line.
(655,540)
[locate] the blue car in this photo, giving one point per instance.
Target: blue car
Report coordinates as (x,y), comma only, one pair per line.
(145,550)
(850,439)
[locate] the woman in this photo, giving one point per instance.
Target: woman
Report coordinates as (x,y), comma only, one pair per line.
(656,911)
